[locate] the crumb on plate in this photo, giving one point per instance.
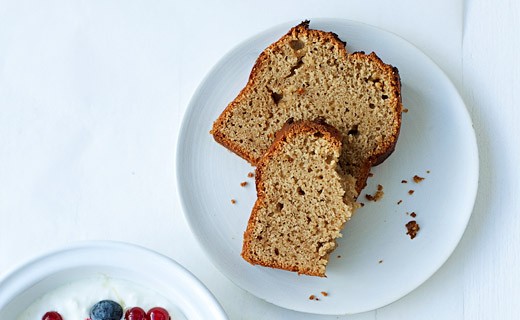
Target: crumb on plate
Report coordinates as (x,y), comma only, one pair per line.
(412,228)
(377,196)
(417,179)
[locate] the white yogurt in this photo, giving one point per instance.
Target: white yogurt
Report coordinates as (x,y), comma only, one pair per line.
(74,300)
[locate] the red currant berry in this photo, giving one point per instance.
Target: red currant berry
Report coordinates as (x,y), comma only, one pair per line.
(158,313)
(135,313)
(52,315)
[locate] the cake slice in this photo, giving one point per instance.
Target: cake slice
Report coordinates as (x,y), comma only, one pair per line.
(309,74)
(301,205)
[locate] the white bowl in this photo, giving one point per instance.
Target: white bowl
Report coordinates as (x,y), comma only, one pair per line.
(23,285)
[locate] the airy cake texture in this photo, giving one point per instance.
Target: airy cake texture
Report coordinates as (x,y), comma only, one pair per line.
(308,74)
(301,205)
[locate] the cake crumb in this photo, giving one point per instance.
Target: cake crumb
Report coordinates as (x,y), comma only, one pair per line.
(233,201)
(399,202)
(417,179)
(243,183)
(324,293)
(380,261)
(427,171)
(405,110)
(370,174)
(339,256)
(410,192)
(362,204)
(404,181)
(312,297)
(413,214)
(250,175)
(377,196)
(412,228)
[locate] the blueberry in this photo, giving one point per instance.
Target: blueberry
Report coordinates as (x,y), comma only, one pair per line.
(106,310)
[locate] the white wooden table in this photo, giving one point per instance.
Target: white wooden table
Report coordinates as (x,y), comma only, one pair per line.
(91,99)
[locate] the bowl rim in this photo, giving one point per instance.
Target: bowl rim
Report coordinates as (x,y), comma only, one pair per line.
(22,276)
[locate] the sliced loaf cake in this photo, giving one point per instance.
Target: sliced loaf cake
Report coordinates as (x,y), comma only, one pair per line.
(301,205)
(309,74)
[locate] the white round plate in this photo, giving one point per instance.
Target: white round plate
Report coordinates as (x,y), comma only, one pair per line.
(376,263)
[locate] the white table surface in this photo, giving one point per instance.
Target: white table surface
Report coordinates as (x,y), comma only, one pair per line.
(92,94)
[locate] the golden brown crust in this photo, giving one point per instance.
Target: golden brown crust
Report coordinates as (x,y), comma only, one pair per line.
(288,130)
(233,147)
(291,128)
(396,104)
(361,179)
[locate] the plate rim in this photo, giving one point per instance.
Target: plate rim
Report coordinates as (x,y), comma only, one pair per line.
(191,109)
